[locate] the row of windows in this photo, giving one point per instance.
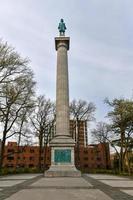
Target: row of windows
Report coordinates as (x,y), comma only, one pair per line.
(92,158)
(86,152)
(12,158)
(12,166)
(97,166)
(30,158)
(91,151)
(23,150)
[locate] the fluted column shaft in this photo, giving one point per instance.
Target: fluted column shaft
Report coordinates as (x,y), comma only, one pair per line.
(62,87)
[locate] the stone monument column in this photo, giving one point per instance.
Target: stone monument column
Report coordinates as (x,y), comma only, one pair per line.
(62,87)
(62,145)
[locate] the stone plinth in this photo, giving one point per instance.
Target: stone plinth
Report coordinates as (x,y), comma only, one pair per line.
(62,159)
(62,171)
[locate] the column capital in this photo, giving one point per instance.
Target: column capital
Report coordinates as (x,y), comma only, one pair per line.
(62,41)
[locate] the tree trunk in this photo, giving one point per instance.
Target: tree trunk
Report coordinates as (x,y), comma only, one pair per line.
(106,155)
(2,152)
(121,151)
(45,156)
(78,148)
(4,139)
(40,152)
(18,150)
(127,156)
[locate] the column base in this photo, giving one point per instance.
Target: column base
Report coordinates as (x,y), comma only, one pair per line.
(62,171)
(62,158)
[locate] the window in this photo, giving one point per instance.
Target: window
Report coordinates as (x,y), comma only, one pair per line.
(31,158)
(85,165)
(22,165)
(31,165)
(10,150)
(48,158)
(98,166)
(91,150)
(85,151)
(10,158)
(41,158)
(85,158)
(10,166)
(98,151)
(98,158)
(31,150)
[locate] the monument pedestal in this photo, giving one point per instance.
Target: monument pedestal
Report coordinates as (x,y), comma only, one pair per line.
(62,171)
(62,158)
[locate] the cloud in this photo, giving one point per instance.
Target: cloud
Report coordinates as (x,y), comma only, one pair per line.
(101,47)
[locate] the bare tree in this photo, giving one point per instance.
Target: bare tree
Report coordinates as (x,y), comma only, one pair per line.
(11,63)
(42,120)
(16,92)
(81,110)
(24,132)
(102,134)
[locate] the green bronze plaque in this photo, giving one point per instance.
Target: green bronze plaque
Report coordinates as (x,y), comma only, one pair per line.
(62,156)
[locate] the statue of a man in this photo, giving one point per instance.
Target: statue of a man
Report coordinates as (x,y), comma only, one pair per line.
(62,27)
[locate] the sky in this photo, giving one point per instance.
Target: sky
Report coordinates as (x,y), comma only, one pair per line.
(101,45)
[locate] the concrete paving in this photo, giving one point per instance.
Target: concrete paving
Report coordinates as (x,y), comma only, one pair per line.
(130,192)
(117,183)
(116,193)
(62,182)
(49,194)
(19,177)
(87,187)
(10,183)
(106,177)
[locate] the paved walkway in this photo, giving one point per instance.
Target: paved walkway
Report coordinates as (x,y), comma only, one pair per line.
(88,187)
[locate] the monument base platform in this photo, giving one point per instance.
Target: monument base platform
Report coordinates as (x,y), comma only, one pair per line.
(62,158)
(62,171)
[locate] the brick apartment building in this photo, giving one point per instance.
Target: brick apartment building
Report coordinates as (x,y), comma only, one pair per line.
(86,156)
(79,132)
(23,156)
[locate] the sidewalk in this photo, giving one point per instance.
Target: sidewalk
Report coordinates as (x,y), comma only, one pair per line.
(88,187)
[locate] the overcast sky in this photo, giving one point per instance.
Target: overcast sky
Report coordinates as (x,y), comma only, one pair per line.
(101,48)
